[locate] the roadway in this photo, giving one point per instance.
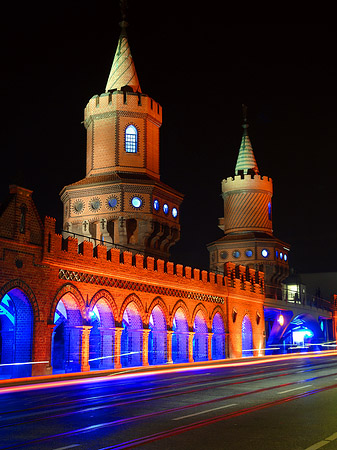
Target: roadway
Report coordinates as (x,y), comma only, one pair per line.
(286,403)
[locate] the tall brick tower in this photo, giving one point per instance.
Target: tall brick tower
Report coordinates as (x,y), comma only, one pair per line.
(121,200)
(247,223)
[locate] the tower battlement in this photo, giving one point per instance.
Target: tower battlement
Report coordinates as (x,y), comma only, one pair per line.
(126,101)
(247,182)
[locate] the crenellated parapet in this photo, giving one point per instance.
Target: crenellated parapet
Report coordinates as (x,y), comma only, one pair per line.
(122,102)
(85,262)
(247,182)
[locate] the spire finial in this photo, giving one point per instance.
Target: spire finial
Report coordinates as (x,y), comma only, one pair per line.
(124,6)
(244,115)
(123,24)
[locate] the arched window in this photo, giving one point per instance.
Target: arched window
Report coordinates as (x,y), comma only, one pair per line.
(131,138)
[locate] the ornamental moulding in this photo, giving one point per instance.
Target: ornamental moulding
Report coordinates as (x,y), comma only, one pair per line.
(82,277)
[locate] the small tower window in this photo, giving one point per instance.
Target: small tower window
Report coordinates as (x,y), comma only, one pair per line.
(131,139)
(269,211)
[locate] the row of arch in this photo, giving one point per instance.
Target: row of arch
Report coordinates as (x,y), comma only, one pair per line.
(132,337)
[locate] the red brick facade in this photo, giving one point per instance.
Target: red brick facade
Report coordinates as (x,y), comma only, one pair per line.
(47,268)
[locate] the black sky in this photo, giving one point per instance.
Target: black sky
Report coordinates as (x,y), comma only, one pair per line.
(200,68)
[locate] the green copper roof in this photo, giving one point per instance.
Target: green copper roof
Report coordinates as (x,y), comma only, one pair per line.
(246,159)
(123,71)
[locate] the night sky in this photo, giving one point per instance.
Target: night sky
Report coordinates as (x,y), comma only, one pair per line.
(200,66)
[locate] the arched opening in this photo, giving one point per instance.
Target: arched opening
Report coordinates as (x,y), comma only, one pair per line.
(157,337)
(218,338)
(180,337)
(102,336)
(200,338)
(247,337)
(16,335)
(67,337)
(132,337)
(131,139)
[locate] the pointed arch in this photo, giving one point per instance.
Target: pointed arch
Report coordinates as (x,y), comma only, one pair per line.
(26,290)
(135,299)
(247,336)
(219,310)
(158,302)
(200,307)
(75,294)
(181,304)
(109,300)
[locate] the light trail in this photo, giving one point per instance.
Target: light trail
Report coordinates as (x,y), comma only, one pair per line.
(138,371)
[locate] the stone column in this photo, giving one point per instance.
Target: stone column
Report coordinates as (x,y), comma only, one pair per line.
(145,355)
(84,340)
(190,346)
(210,336)
(117,349)
(169,346)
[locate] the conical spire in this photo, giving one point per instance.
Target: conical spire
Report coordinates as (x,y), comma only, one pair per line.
(123,71)
(246,159)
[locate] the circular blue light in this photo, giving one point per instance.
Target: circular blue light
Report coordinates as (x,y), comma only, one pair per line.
(156,205)
(236,254)
(136,202)
(165,208)
(249,253)
(265,253)
(281,255)
(112,202)
(174,212)
(285,257)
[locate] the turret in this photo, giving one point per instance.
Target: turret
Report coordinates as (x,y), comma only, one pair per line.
(247,223)
(122,201)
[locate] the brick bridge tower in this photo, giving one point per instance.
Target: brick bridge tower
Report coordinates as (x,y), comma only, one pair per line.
(247,223)
(122,200)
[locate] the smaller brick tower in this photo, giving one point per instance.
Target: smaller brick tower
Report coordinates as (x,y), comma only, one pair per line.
(247,223)
(121,200)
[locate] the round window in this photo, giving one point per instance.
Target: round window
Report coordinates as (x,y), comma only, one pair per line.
(265,253)
(236,254)
(249,253)
(165,208)
(174,212)
(223,255)
(156,205)
(112,202)
(78,206)
(95,204)
(136,202)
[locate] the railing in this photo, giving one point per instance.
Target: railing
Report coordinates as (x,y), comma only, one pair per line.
(96,241)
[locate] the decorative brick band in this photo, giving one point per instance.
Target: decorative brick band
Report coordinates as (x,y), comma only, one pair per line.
(81,277)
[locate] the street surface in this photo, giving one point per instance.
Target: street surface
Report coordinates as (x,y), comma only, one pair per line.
(288,404)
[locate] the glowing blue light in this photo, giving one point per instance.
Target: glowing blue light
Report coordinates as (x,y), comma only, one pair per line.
(156,205)
(249,253)
(285,257)
(174,212)
(136,202)
(236,254)
(265,253)
(281,255)
(165,208)
(112,202)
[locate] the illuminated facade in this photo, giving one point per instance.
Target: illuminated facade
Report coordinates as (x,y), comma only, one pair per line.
(103,294)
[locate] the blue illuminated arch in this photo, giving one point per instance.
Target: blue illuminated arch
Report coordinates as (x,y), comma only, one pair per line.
(218,338)
(157,337)
(200,338)
(16,337)
(247,337)
(180,336)
(131,139)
